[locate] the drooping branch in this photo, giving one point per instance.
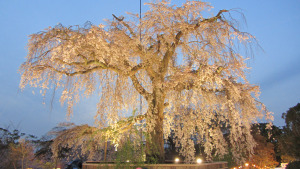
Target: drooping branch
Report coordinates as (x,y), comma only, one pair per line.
(123,125)
(186,80)
(73,137)
(188,85)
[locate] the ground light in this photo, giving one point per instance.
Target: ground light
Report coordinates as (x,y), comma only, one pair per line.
(176,160)
(199,161)
(246,164)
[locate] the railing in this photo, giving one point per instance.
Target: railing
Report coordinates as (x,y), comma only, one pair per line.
(100,165)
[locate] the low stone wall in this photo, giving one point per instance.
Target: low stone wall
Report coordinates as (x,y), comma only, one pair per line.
(215,165)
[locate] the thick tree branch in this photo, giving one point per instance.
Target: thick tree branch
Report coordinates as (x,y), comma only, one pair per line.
(170,52)
(136,68)
(218,16)
(168,55)
(86,63)
(146,62)
(73,73)
(42,67)
(139,87)
(131,70)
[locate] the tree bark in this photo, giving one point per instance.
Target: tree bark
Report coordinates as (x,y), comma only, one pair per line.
(155,140)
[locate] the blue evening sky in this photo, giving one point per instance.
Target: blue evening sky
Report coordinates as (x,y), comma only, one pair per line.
(275,24)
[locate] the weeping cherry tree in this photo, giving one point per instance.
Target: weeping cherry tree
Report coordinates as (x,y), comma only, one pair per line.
(187,67)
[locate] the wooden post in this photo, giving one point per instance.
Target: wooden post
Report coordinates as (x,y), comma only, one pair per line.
(105,150)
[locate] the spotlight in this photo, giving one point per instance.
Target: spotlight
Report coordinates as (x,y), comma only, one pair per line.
(176,160)
(199,160)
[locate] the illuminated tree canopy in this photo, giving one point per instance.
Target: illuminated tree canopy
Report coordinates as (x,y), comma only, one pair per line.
(187,67)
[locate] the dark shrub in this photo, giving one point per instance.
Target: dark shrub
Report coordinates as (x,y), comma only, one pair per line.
(293,165)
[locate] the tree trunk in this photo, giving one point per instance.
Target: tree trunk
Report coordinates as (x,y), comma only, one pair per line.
(155,140)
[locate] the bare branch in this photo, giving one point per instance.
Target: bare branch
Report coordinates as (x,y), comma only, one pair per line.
(213,19)
(125,24)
